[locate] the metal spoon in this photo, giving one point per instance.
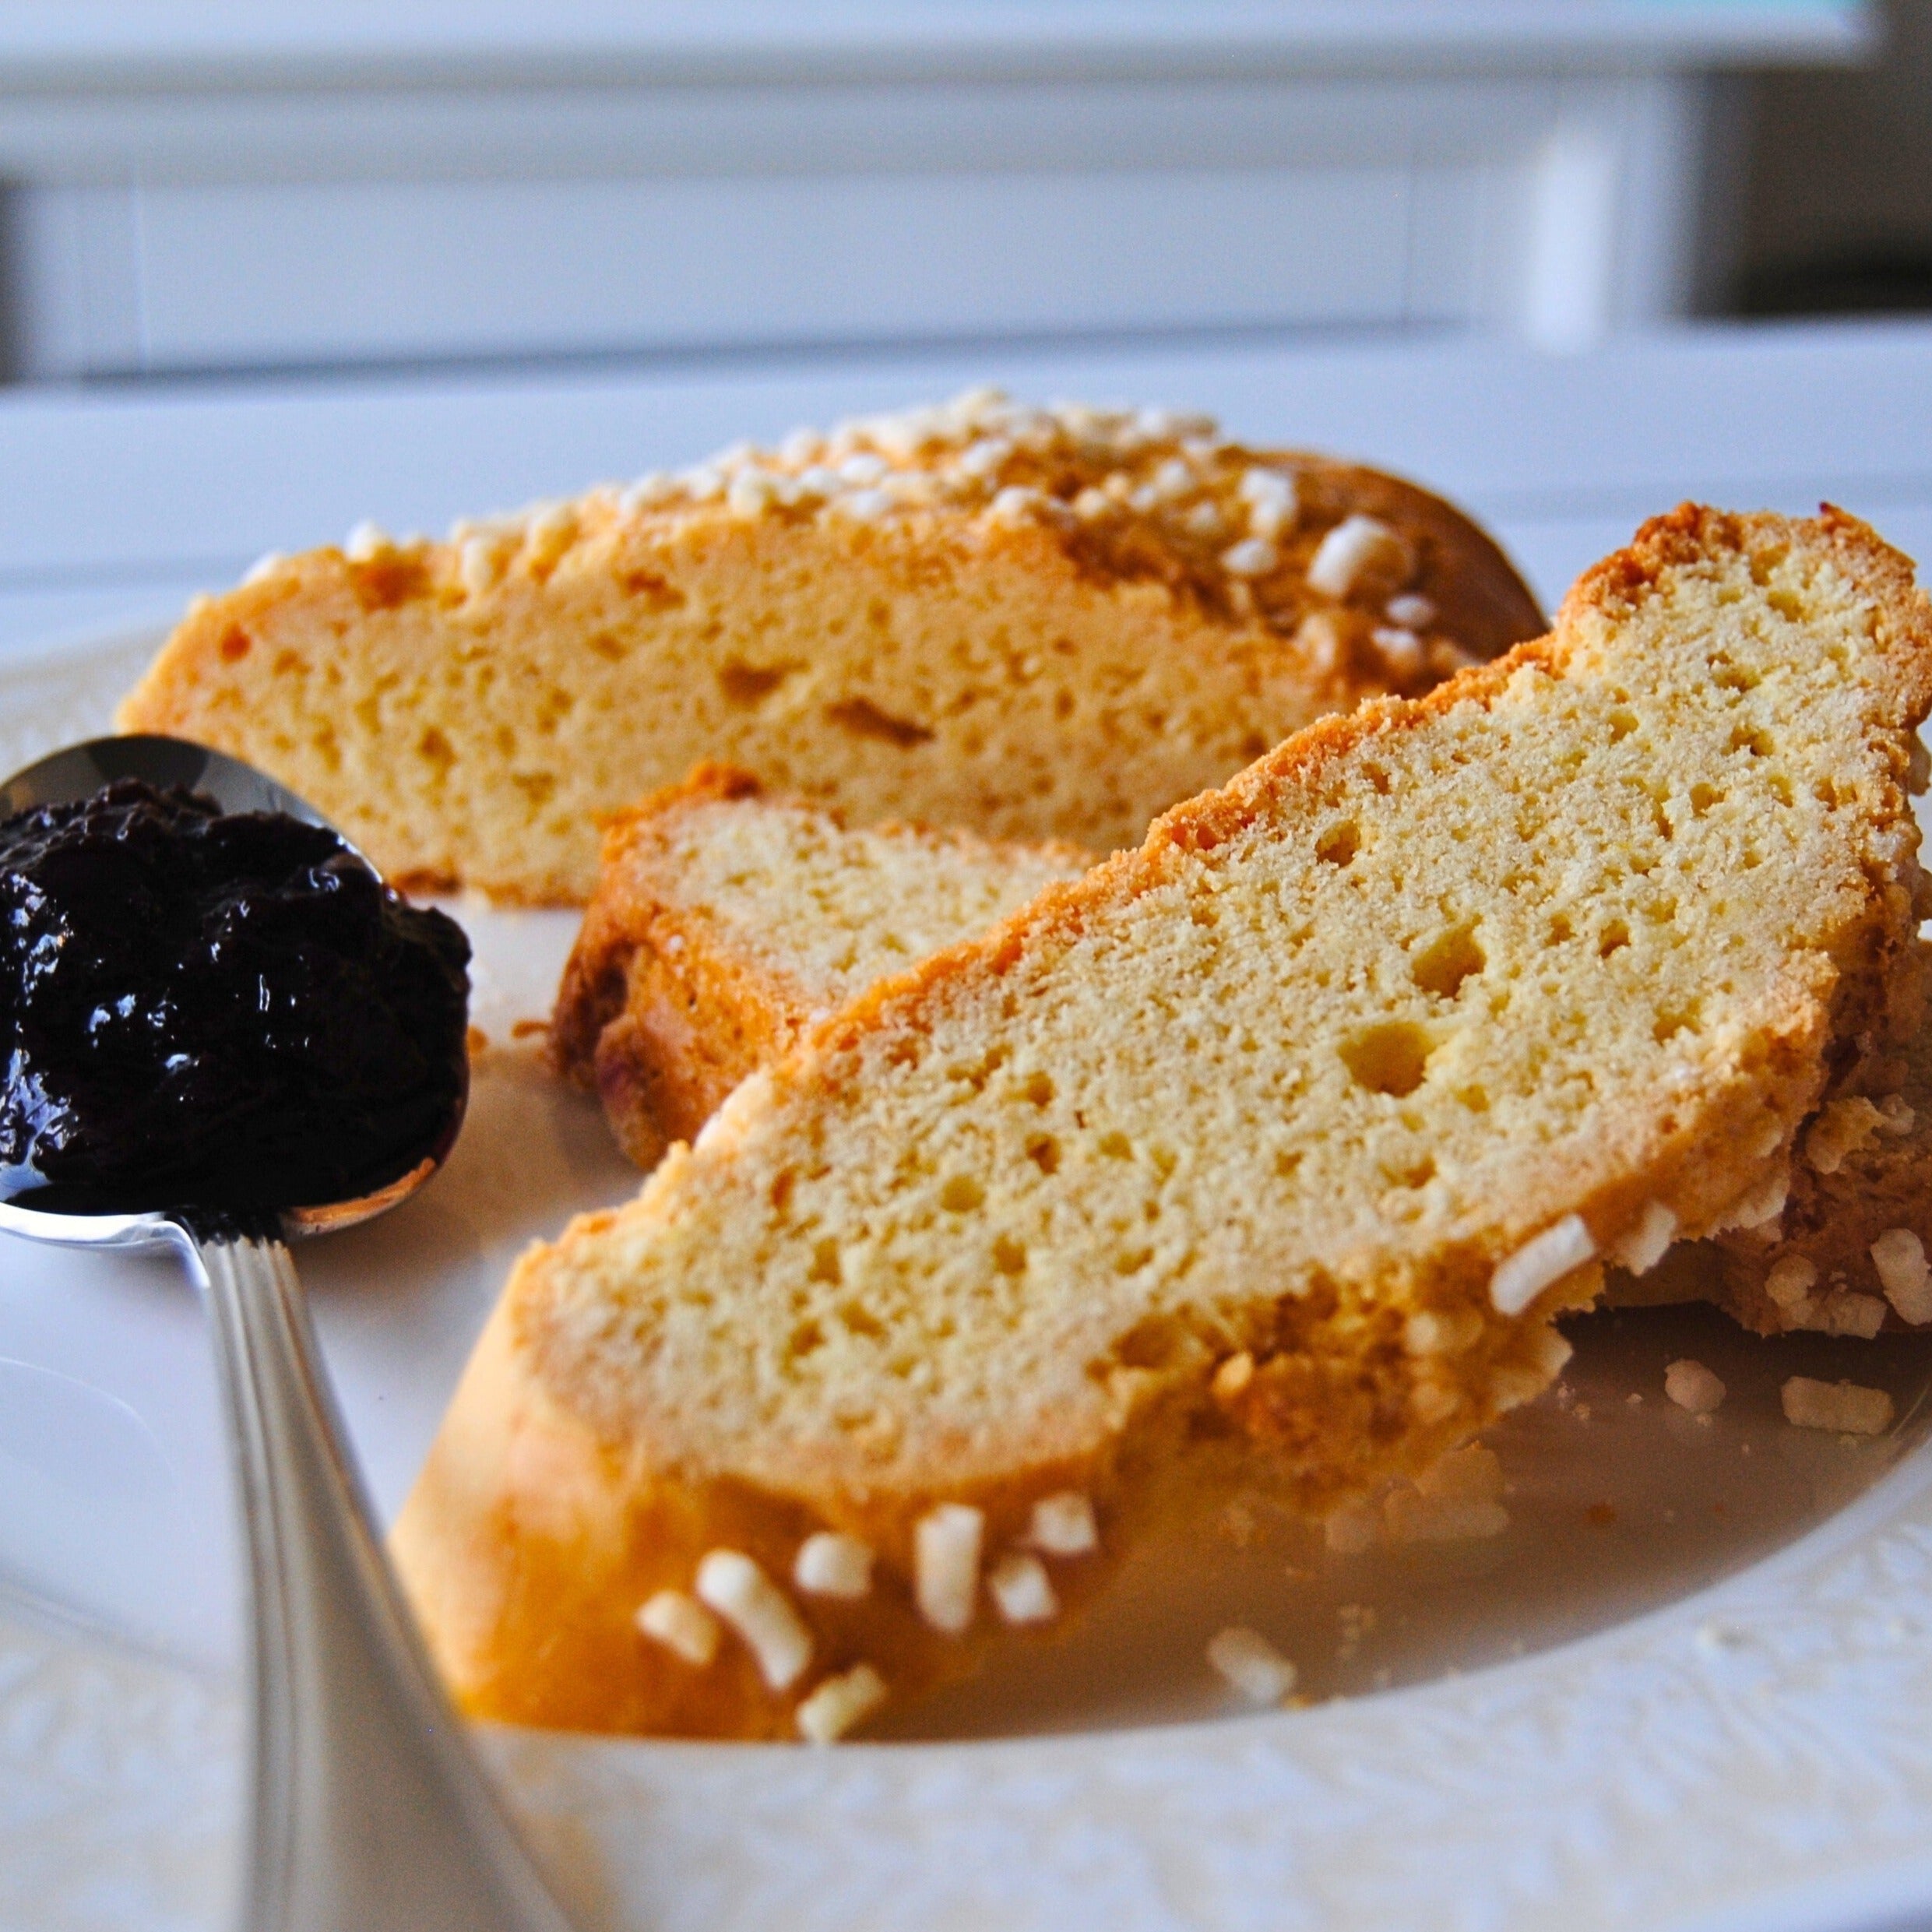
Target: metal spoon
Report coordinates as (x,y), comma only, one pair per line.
(369,1811)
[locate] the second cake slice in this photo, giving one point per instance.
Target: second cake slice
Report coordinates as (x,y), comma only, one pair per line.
(725,921)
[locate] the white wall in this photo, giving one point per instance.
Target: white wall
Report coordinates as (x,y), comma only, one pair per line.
(253,194)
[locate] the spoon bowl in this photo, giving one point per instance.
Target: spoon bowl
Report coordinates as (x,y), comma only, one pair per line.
(368,1809)
(79,771)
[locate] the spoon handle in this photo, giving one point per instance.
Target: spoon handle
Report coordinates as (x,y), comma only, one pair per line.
(369,1810)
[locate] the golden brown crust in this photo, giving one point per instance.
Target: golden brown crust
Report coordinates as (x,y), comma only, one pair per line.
(524,1519)
(469,711)
(658,1023)
(1265,1141)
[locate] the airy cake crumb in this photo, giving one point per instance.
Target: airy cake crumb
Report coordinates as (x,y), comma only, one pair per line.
(727,922)
(851,623)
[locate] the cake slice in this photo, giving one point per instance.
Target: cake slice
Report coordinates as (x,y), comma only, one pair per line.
(1291,1130)
(1038,624)
(726,920)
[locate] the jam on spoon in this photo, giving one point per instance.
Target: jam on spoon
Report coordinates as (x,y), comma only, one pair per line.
(220,1029)
(223,1011)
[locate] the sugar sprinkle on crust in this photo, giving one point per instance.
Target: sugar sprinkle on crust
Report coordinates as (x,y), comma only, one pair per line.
(1063,1525)
(731,1584)
(1251,1664)
(366,542)
(1358,547)
(1540,1263)
(1846,1407)
(1020,1588)
(946,1543)
(681,1624)
(830,1564)
(840,1702)
(1647,1244)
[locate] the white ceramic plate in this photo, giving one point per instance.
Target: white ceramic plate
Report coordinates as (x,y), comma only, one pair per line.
(1690,1685)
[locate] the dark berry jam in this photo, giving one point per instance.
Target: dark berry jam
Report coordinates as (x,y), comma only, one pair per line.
(223,1012)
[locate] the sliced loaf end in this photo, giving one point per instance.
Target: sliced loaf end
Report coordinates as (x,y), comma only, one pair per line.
(725,921)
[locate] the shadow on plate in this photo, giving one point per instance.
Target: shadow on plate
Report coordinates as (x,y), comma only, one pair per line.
(1619,1503)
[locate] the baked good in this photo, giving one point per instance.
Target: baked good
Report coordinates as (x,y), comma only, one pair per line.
(726,920)
(1038,624)
(1847,1254)
(1294,1127)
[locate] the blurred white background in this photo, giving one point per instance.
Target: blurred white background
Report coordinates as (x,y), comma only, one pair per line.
(210,188)
(266,269)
